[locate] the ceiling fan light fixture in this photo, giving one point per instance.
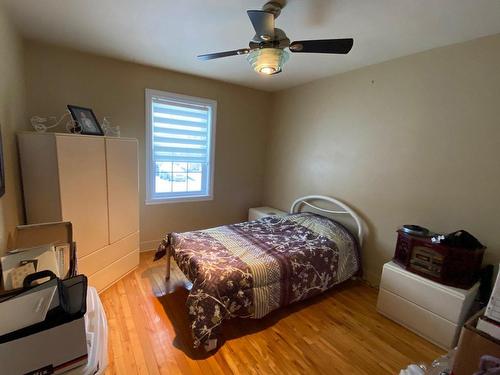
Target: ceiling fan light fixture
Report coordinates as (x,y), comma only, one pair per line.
(268,70)
(268,60)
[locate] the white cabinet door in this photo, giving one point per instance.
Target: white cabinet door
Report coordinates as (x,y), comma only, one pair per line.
(82,180)
(123,190)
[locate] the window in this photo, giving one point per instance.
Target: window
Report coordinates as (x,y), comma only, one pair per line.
(180,137)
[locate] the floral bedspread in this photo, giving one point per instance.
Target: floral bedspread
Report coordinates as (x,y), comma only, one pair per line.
(252,268)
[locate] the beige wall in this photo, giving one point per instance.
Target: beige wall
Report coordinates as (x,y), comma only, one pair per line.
(413,140)
(58,76)
(11,118)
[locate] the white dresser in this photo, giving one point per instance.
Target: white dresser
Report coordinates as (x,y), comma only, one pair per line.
(91,181)
(256,213)
(431,310)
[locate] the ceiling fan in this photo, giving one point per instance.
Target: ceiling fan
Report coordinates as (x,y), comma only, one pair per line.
(266,51)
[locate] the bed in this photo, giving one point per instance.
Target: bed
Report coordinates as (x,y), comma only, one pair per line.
(250,269)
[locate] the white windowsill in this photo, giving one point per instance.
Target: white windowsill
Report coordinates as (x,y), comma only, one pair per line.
(178,200)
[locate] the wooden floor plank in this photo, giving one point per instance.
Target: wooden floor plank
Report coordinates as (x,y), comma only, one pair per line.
(339,332)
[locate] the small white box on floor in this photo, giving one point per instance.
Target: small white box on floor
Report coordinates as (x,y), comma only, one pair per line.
(260,212)
(432,310)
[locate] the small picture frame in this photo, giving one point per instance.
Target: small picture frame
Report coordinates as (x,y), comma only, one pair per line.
(85,120)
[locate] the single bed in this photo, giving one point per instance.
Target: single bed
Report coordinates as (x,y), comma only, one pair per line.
(250,269)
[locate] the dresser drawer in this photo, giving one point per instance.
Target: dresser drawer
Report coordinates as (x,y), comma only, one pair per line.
(103,278)
(451,304)
(423,322)
(101,258)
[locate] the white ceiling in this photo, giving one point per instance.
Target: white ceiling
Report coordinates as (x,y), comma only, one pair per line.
(170,33)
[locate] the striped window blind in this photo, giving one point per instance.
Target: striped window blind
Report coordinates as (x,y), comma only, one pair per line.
(180,151)
(180,131)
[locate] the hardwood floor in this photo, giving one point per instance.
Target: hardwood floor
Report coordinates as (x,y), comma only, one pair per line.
(339,332)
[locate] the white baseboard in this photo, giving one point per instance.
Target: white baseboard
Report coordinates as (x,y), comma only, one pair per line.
(149,245)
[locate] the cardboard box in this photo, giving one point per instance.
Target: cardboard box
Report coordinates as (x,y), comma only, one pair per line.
(472,345)
(40,234)
(60,234)
(46,349)
(51,351)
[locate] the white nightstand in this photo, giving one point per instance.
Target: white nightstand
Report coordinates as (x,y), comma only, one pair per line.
(431,310)
(260,212)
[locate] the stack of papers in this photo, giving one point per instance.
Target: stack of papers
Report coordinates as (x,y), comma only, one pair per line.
(489,326)
(45,257)
(493,308)
(490,322)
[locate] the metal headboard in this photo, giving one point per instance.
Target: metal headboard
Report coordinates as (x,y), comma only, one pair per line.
(344,210)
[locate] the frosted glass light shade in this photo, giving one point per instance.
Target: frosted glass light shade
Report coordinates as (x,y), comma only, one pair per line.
(268,60)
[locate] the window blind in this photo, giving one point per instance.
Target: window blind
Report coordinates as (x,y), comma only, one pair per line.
(180,131)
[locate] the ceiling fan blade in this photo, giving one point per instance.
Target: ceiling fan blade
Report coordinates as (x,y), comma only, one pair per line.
(216,55)
(341,46)
(263,23)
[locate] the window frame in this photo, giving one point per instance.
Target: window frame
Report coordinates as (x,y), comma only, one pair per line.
(160,198)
